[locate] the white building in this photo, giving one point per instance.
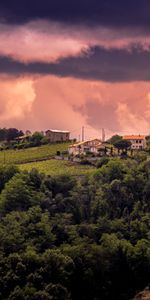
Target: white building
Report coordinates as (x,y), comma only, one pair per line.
(138,142)
(85,147)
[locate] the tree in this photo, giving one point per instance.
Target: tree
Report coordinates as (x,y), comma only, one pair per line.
(148,139)
(57,267)
(9,134)
(115,138)
(114,169)
(6,173)
(102,161)
(41,295)
(3,134)
(122,145)
(36,138)
(11,235)
(38,227)
(57,292)
(13,133)
(17,294)
(17,195)
(62,238)
(63,184)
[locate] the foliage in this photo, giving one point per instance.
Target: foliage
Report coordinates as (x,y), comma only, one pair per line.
(114,139)
(102,161)
(66,239)
(36,138)
(85,162)
(122,144)
(6,173)
(9,134)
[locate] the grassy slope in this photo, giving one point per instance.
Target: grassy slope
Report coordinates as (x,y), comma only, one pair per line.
(27,155)
(58,167)
(26,160)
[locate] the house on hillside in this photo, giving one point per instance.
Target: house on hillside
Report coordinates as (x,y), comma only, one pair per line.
(85,147)
(138,142)
(23,138)
(57,135)
(103,149)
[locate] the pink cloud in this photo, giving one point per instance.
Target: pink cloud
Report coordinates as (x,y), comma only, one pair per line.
(131,121)
(38,41)
(68,103)
(50,41)
(16,98)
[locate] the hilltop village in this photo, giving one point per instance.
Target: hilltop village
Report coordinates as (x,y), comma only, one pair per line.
(13,138)
(96,146)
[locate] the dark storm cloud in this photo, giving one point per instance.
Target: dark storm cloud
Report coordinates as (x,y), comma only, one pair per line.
(108,65)
(103,12)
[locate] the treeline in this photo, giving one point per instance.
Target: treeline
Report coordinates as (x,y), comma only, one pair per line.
(62,238)
(13,138)
(9,134)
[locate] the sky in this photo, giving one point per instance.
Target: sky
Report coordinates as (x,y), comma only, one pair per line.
(67,64)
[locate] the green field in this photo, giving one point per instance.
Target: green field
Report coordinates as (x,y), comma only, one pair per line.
(31,154)
(58,167)
(35,157)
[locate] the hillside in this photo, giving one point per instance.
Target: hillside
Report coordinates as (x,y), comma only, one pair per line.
(41,158)
(68,239)
(31,154)
(57,167)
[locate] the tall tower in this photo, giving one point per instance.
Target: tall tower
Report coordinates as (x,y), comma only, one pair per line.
(82,133)
(103,135)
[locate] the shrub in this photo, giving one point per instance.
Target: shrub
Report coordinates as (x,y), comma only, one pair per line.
(102,161)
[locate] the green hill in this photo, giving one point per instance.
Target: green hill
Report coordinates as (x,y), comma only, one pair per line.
(31,154)
(57,167)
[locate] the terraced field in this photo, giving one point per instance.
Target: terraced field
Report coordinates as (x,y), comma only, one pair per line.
(58,167)
(31,154)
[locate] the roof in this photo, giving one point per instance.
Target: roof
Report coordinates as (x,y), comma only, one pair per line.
(23,137)
(84,142)
(134,137)
(58,131)
(103,146)
(78,144)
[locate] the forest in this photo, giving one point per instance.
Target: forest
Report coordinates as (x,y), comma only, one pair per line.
(75,238)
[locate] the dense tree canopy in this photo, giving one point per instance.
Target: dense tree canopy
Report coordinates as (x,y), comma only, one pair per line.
(66,239)
(9,134)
